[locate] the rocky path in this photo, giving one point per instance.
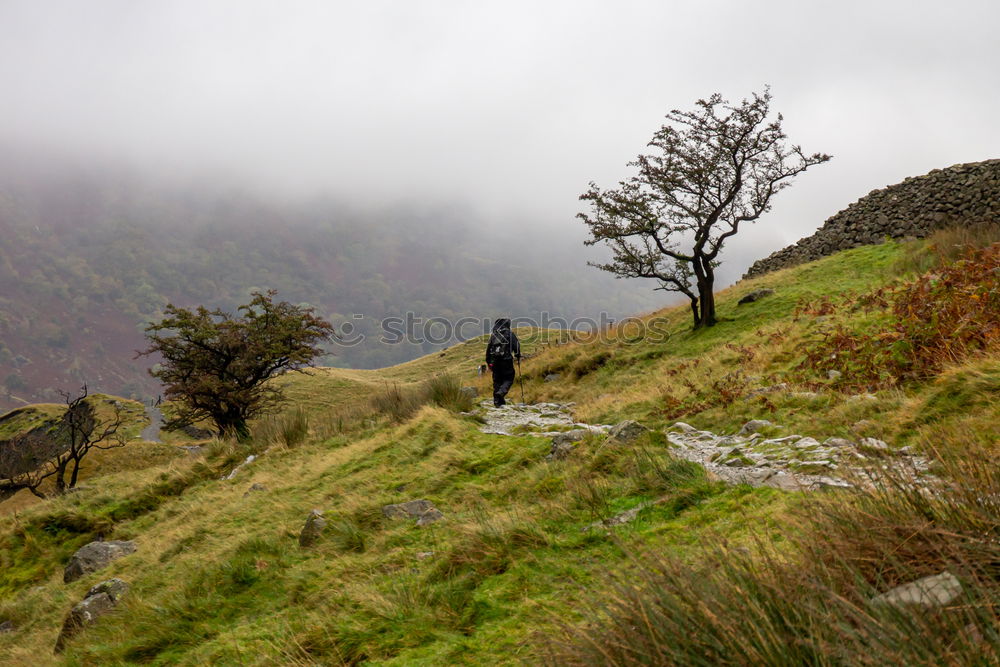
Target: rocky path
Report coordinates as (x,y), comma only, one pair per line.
(152,432)
(791,462)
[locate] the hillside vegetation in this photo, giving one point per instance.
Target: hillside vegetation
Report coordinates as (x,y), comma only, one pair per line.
(89,258)
(526,565)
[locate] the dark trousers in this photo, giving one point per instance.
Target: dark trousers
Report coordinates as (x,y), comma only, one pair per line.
(503,380)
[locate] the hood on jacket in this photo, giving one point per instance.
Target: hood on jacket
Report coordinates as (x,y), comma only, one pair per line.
(501,324)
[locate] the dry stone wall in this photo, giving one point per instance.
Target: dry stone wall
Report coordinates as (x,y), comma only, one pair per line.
(962,194)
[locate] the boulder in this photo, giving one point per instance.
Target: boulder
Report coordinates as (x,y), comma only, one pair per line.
(754,426)
(411,509)
(552,377)
(873,446)
(95,556)
(576,435)
(422,510)
(627,431)
(681,426)
(99,600)
(560,450)
(196,433)
(430,516)
(755,295)
(935,591)
(313,529)
(256,487)
(7,626)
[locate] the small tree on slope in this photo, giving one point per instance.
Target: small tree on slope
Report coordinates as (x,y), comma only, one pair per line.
(217,367)
(712,170)
(33,457)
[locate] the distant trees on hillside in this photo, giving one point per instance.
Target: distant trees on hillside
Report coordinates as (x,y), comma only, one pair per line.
(216,366)
(711,170)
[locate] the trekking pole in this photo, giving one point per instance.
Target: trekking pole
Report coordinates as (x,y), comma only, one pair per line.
(521,378)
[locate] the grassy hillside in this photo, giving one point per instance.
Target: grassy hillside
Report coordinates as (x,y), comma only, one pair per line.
(88,259)
(517,571)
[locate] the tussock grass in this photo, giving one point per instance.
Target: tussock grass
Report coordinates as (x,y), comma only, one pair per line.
(815,603)
(400,403)
(703,572)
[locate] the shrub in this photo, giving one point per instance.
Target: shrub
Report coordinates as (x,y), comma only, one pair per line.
(938,318)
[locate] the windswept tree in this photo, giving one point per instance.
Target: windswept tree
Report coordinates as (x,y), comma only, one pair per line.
(711,170)
(216,366)
(56,453)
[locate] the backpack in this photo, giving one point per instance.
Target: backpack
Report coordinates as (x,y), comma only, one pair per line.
(500,347)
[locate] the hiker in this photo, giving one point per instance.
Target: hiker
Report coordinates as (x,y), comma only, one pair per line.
(501,350)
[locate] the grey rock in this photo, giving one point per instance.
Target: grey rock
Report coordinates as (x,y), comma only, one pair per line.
(873,446)
(100,600)
(412,509)
(432,515)
(774,388)
(256,487)
(196,433)
(681,426)
(755,295)
(805,395)
(95,556)
(783,481)
(755,425)
(807,442)
(560,451)
(312,530)
(7,626)
(934,591)
(839,443)
(619,519)
(553,377)
(250,459)
(576,435)
(833,375)
(423,555)
(115,588)
(627,431)
(471,392)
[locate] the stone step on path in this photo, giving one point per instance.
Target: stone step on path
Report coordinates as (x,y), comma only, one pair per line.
(539,419)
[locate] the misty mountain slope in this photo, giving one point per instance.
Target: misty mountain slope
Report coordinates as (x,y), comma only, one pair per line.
(88,258)
(517,571)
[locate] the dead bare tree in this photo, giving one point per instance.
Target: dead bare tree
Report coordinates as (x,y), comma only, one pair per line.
(38,455)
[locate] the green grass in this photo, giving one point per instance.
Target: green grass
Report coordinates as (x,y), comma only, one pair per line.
(514,573)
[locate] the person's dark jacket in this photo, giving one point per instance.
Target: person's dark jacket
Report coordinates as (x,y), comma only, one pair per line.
(503,344)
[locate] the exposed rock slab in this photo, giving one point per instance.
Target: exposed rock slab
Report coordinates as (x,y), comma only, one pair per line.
(935,591)
(95,556)
(99,600)
(312,530)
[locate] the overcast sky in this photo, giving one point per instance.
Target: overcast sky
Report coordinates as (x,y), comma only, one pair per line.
(504,108)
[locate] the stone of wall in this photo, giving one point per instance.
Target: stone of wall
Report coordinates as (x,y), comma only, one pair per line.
(962,194)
